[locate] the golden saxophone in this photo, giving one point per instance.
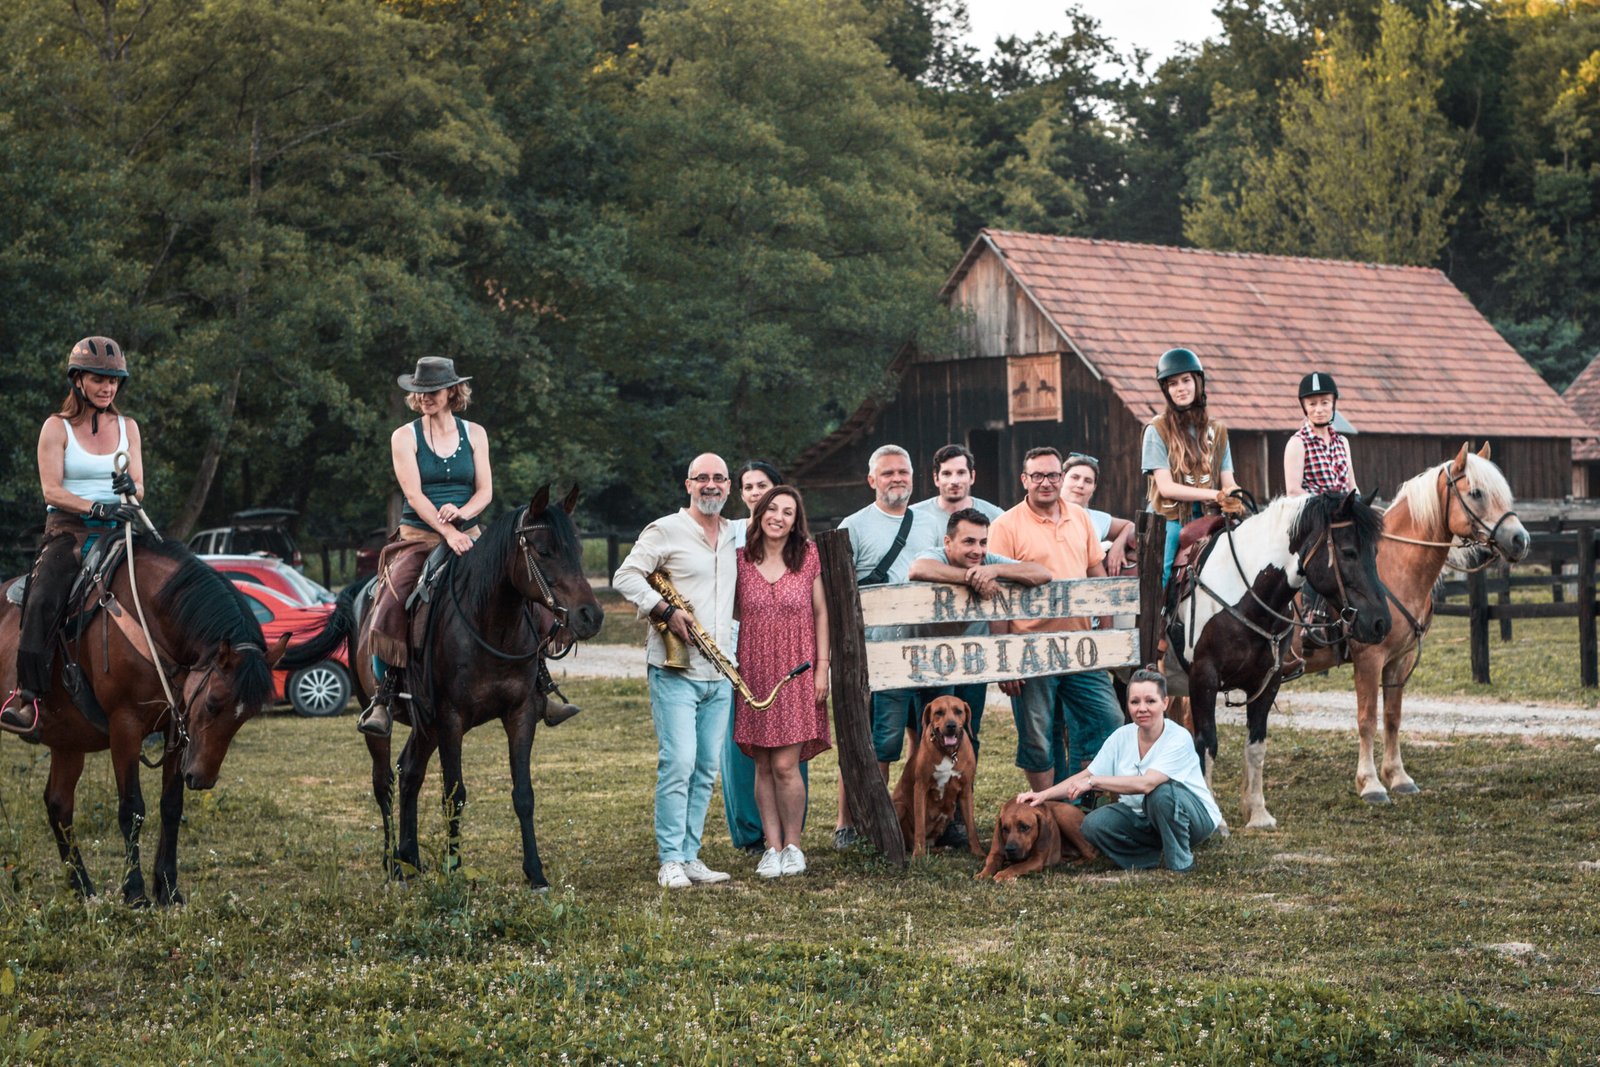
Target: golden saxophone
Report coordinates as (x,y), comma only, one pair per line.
(678,651)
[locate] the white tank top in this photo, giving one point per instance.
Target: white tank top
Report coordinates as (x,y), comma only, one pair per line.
(88,475)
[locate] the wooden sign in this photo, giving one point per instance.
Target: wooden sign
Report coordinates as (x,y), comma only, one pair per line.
(929,603)
(915,663)
(1033,386)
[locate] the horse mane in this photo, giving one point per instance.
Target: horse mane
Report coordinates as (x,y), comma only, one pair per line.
(1421,493)
(1316,514)
(481,571)
(206,608)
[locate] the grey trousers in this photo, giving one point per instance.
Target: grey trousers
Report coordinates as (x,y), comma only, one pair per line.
(1173,823)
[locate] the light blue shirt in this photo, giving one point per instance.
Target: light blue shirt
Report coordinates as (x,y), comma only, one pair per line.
(1153,453)
(976,629)
(872,534)
(931,508)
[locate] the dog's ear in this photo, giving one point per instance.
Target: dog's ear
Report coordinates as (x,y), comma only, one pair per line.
(966,713)
(997,847)
(1049,837)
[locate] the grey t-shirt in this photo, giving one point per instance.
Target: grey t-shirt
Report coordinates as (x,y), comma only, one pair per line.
(1153,453)
(872,534)
(931,508)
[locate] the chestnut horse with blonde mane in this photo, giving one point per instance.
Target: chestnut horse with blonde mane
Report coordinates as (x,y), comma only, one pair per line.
(1464,503)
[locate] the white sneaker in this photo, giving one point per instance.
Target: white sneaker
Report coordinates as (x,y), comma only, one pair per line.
(771,864)
(672,875)
(696,871)
(791,860)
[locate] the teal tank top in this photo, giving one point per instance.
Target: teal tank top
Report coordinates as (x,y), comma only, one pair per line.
(445,479)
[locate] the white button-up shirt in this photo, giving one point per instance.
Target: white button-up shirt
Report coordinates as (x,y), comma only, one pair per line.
(703,573)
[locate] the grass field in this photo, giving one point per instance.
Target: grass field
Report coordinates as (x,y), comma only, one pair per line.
(1461,926)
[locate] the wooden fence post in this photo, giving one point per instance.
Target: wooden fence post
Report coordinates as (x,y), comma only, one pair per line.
(613,557)
(1504,597)
(866,792)
(326,568)
(1152,553)
(1478,625)
(1586,608)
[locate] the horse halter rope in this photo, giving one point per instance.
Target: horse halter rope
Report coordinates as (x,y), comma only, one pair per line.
(1490,538)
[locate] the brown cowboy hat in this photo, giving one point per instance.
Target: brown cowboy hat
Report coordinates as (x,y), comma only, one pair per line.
(433,372)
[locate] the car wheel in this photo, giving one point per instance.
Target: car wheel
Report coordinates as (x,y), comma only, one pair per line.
(319,690)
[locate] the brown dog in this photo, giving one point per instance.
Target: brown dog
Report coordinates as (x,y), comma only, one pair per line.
(1028,839)
(938,777)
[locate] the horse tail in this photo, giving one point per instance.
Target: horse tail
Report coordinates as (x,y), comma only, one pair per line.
(341,624)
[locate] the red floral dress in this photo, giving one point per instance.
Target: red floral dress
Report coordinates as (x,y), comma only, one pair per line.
(777,633)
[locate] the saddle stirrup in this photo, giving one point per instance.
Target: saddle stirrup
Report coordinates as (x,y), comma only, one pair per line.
(14,710)
(378,718)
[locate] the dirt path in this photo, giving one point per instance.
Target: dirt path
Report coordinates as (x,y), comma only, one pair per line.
(1304,711)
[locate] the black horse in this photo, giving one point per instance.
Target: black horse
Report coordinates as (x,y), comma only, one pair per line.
(1239,612)
(517,597)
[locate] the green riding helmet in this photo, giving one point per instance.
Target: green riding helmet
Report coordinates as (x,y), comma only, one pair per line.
(1317,383)
(1176,361)
(98,355)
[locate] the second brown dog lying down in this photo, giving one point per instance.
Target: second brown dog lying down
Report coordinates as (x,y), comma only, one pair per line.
(1029,839)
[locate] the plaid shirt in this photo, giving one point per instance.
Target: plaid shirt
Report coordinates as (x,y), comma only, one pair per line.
(1327,468)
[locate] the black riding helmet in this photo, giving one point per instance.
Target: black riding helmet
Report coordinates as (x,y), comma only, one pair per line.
(1176,361)
(1318,383)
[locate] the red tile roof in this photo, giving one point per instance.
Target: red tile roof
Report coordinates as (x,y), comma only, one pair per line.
(1389,335)
(1583,396)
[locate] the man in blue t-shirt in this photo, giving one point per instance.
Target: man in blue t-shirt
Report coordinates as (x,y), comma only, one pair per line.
(885,536)
(953,475)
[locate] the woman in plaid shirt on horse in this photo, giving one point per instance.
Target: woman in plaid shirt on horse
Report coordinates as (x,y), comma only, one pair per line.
(1317,457)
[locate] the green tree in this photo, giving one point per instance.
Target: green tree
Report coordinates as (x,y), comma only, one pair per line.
(786,233)
(1367,167)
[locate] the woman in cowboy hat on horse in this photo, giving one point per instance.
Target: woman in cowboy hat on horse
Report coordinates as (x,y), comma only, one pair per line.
(85,495)
(442,464)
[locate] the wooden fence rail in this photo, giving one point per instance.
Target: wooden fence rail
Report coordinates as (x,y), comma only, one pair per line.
(1569,552)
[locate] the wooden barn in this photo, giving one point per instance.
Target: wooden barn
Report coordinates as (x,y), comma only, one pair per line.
(1583,396)
(1061,340)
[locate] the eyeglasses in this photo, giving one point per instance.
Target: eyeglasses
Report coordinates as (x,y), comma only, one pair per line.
(1052,477)
(702,479)
(1075,458)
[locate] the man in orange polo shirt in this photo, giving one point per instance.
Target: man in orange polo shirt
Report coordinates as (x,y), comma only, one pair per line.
(1081,708)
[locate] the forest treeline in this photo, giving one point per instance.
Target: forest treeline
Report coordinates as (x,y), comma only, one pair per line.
(651,227)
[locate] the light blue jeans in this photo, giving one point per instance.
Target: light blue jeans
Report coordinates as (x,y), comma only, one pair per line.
(691,719)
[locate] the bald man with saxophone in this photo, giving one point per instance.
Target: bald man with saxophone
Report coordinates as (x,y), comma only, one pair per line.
(691,704)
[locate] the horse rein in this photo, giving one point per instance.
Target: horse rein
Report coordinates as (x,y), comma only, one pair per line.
(547,599)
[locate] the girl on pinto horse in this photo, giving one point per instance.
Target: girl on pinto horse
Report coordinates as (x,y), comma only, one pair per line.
(1185,454)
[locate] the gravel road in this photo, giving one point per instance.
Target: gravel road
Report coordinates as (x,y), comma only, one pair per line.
(1304,711)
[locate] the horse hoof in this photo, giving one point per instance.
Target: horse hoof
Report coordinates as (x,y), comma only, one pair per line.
(1265,822)
(540,890)
(1405,789)
(140,901)
(1377,796)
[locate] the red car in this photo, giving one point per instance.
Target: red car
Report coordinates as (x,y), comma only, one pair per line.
(320,689)
(270,571)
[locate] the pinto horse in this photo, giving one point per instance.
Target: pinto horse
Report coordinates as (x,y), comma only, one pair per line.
(208,641)
(1239,612)
(516,597)
(1461,504)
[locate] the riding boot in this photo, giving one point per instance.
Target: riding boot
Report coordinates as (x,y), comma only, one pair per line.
(378,720)
(556,711)
(20,713)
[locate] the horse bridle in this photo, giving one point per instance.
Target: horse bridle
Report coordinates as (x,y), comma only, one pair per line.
(1490,538)
(547,600)
(192,685)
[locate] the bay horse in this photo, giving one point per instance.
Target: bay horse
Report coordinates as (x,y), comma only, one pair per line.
(220,669)
(1239,612)
(517,597)
(1461,504)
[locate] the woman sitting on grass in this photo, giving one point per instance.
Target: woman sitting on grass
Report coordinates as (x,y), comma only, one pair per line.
(1164,808)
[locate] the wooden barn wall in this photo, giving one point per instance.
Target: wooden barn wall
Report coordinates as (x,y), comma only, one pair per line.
(1003,319)
(965,401)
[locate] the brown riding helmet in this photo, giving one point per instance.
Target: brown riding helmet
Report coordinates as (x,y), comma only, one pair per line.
(98,355)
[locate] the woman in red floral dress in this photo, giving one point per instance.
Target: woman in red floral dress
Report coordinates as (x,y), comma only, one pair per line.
(782,623)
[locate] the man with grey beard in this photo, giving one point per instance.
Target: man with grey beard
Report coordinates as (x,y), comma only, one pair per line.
(885,536)
(691,708)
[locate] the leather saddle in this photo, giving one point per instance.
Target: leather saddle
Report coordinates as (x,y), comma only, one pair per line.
(1195,542)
